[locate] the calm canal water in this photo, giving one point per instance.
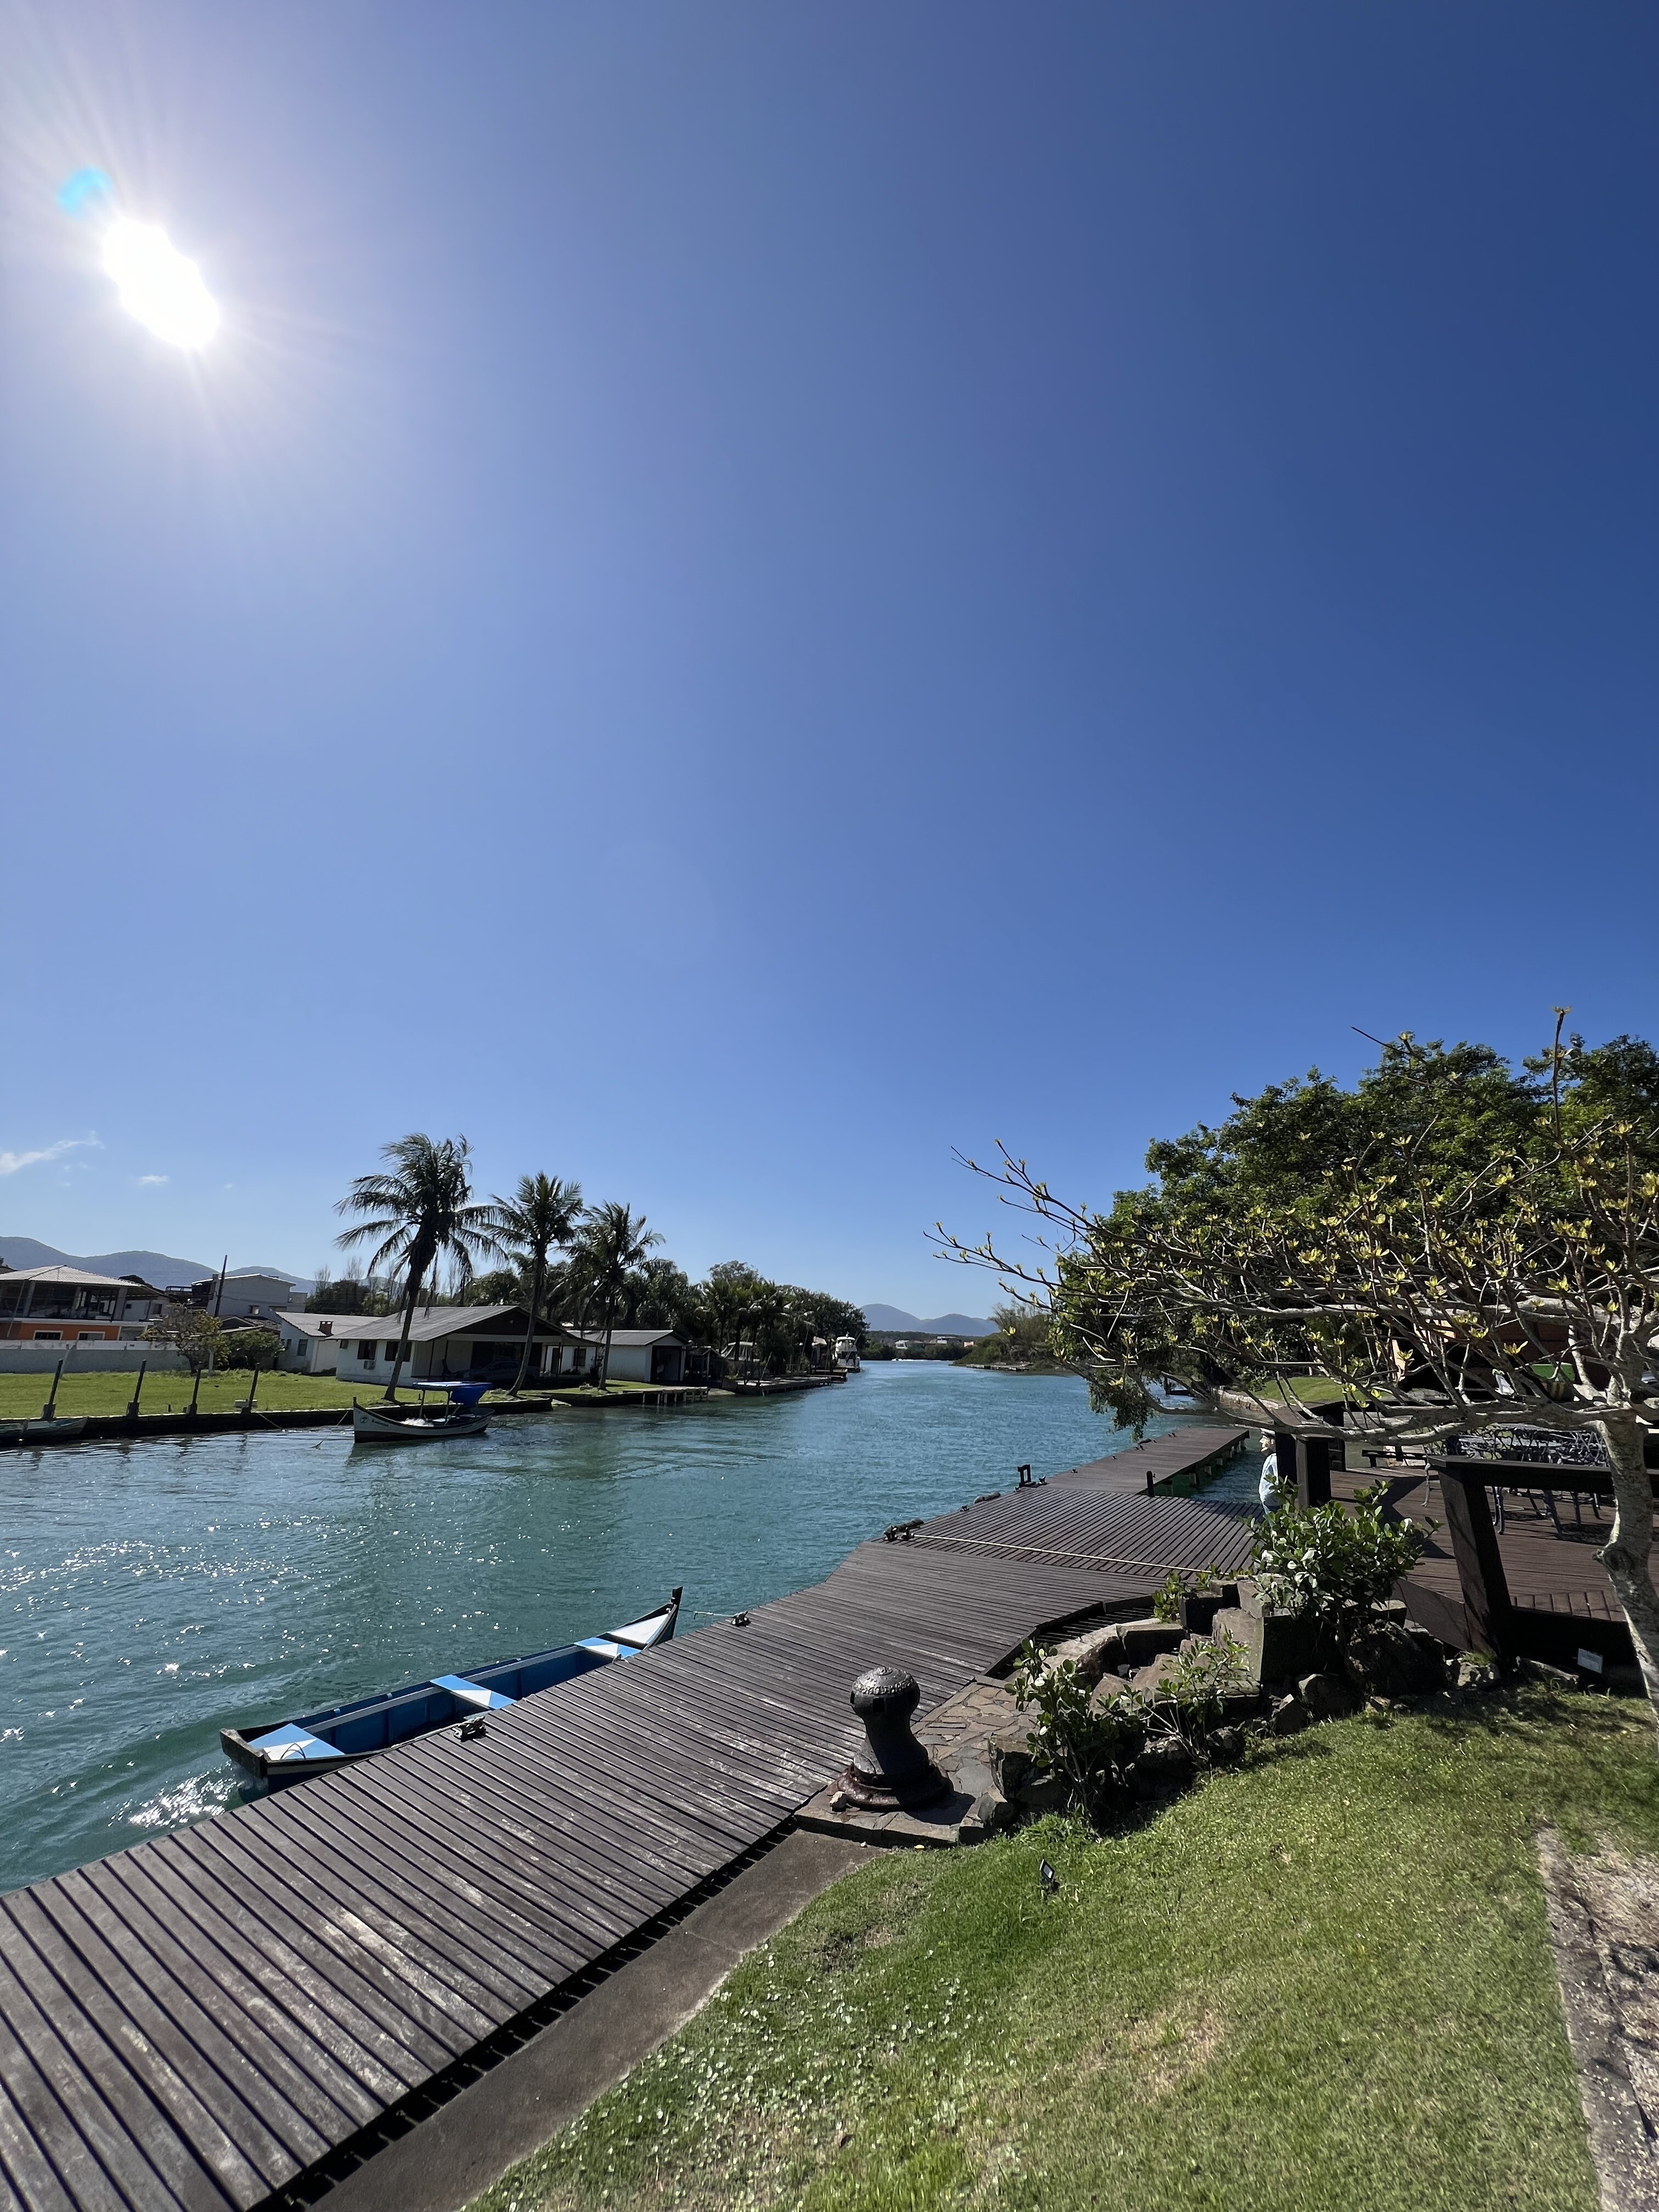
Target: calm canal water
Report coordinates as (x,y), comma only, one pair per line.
(151,1592)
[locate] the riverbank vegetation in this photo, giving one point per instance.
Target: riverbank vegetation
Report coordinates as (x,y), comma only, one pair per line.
(1321,1980)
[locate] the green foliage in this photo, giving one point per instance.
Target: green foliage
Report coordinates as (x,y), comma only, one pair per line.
(1198,1678)
(349,1294)
(254,1348)
(1072,1735)
(1334,1561)
(1166,1602)
(1205,1582)
(190,1331)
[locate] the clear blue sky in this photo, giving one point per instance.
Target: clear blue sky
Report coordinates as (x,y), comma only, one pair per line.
(752,593)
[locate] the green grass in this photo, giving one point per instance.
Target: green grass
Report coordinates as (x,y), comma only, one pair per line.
(1321,1981)
(22,1396)
(1311,1389)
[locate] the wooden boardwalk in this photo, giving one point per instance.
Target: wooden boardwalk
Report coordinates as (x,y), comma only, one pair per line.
(1550,1566)
(197,2021)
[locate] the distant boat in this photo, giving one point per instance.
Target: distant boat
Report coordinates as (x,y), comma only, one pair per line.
(393,1423)
(847,1355)
(281,1752)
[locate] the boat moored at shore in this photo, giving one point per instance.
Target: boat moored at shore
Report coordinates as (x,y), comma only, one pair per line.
(283,1751)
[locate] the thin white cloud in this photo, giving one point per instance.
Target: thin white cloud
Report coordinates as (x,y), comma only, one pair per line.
(143,1179)
(11,1162)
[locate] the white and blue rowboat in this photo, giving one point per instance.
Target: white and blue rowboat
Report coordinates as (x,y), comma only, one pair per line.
(317,1743)
(395,1424)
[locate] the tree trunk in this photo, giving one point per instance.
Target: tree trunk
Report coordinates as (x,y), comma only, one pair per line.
(536,1282)
(1626,1553)
(412,1298)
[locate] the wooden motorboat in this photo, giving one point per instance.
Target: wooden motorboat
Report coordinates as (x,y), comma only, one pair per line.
(281,1752)
(58,1430)
(390,1423)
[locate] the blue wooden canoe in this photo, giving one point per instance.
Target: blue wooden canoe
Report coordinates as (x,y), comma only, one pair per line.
(281,1752)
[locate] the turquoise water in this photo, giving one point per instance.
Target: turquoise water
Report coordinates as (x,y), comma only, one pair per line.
(151,1592)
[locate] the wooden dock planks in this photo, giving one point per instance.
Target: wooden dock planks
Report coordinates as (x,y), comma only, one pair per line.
(194,2022)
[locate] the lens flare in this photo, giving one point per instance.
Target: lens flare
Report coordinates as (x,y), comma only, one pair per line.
(158,285)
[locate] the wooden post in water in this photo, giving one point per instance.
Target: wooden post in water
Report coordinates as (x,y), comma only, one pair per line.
(138,1391)
(48,1410)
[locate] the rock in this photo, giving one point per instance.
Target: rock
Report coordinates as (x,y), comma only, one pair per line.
(1287,1716)
(1392,1661)
(1225,1746)
(1143,1640)
(1327,1696)
(1100,1652)
(989,1813)
(1276,1646)
(1241,1706)
(1149,1681)
(1166,1766)
(1557,1677)
(1474,1671)
(1009,1759)
(1043,1793)
(969,1774)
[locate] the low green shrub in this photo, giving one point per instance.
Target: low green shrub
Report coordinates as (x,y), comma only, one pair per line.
(1336,1562)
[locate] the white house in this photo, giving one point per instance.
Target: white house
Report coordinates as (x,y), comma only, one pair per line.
(456,1344)
(642,1355)
(311,1341)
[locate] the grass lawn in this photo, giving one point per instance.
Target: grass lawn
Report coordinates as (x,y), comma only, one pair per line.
(1311,1389)
(1321,1981)
(22,1396)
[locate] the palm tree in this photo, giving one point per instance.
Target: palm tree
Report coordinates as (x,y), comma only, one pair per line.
(541,1214)
(610,1243)
(422,1211)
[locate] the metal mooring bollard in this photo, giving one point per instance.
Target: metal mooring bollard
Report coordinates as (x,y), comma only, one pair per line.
(892,1769)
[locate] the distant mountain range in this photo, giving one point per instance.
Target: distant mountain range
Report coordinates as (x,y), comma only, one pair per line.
(892,1317)
(157,1267)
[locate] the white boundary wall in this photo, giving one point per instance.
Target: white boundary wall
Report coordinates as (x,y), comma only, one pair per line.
(40,1358)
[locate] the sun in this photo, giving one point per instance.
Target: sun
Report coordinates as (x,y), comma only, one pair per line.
(159,285)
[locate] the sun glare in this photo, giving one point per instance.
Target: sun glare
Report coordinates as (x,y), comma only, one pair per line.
(158,285)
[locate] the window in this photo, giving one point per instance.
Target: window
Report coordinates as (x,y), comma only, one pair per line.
(366,1353)
(48,1336)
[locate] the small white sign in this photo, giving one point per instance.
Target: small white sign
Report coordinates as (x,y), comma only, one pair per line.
(1590,1662)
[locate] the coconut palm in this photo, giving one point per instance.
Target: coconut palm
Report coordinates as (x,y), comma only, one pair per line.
(541,1215)
(611,1242)
(422,1210)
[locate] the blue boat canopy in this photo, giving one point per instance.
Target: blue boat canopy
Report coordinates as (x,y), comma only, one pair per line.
(461,1393)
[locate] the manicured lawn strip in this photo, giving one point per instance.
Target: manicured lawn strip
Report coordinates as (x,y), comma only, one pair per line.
(1321,1981)
(21,1396)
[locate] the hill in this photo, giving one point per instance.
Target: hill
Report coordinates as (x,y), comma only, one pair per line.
(887,1319)
(160,1268)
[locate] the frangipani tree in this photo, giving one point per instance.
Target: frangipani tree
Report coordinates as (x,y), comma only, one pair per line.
(1449,1284)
